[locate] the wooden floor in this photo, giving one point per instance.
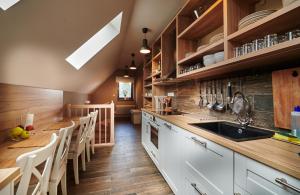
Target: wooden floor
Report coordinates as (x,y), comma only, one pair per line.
(123,169)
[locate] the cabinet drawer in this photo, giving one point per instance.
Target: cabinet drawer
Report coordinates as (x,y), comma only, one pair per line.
(147,116)
(257,178)
(197,183)
(209,163)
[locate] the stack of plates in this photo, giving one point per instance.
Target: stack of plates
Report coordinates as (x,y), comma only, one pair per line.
(250,19)
(216,38)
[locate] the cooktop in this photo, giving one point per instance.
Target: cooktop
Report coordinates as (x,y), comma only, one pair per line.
(171,112)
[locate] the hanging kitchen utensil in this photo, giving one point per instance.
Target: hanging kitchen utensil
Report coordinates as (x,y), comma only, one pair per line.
(229,95)
(201,97)
(242,108)
(221,106)
(215,96)
(211,103)
(241,105)
(206,94)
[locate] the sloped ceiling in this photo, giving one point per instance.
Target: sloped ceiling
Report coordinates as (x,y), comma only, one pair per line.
(36,37)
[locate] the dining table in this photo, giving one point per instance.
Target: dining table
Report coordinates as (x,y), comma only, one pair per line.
(10,150)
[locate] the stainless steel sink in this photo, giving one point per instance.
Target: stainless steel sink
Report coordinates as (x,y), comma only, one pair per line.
(234,131)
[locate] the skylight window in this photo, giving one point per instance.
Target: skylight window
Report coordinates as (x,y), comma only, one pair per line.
(5,4)
(97,42)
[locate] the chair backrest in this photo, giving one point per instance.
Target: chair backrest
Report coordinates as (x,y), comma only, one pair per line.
(92,125)
(61,155)
(28,163)
(82,132)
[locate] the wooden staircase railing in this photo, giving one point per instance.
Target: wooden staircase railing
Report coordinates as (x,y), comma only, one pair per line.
(105,130)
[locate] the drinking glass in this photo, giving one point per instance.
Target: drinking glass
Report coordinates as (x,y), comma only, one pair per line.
(271,40)
(283,38)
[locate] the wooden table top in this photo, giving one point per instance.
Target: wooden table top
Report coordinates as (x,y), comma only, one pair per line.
(7,175)
(276,154)
(10,150)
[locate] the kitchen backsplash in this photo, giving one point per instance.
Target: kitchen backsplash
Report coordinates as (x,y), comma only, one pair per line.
(257,88)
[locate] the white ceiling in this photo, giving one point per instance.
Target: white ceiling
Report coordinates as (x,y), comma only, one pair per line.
(36,37)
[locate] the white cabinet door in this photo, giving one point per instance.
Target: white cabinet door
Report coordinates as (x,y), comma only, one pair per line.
(145,131)
(259,179)
(169,153)
(208,167)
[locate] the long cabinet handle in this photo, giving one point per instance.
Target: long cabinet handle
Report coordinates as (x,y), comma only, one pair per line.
(283,182)
(153,154)
(204,144)
(168,126)
(197,189)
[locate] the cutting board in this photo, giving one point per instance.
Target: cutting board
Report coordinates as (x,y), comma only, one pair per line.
(286,95)
(39,139)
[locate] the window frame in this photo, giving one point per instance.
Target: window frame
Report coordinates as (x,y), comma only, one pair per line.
(132,92)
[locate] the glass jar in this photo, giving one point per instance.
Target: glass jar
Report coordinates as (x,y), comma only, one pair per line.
(238,51)
(293,34)
(271,40)
(283,38)
(247,48)
(260,44)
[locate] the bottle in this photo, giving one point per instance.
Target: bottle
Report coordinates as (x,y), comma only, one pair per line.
(295,122)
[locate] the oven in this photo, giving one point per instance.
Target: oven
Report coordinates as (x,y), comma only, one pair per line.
(154,134)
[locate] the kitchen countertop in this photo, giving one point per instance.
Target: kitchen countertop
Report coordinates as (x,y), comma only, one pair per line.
(276,154)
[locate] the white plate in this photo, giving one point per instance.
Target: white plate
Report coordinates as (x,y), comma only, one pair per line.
(255,14)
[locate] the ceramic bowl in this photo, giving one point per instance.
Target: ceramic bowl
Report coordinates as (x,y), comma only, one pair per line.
(209,60)
(219,56)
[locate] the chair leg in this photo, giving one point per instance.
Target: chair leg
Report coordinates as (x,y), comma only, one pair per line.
(83,160)
(75,166)
(64,184)
(52,188)
(88,152)
(93,145)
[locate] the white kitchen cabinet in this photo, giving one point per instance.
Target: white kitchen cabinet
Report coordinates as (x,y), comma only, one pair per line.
(145,131)
(259,179)
(171,161)
(208,167)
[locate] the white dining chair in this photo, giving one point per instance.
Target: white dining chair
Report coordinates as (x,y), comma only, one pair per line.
(77,146)
(90,138)
(28,164)
(59,174)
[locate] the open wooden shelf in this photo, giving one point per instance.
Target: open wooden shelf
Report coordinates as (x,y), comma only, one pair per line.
(268,56)
(167,82)
(148,86)
(197,56)
(284,19)
(148,64)
(156,74)
(156,57)
(211,19)
(148,78)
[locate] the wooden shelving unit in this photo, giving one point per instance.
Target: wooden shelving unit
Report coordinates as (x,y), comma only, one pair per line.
(148,78)
(281,20)
(147,86)
(211,19)
(197,56)
(185,33)
(267,56)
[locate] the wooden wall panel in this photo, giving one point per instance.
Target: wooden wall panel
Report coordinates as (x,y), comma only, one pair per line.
(16,101)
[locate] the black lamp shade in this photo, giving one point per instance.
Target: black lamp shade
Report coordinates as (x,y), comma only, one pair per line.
(126,72)
(132,65)
(145,48)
